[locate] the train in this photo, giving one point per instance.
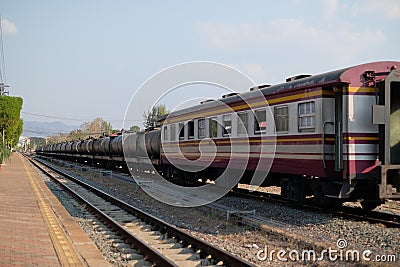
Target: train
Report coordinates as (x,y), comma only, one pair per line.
(332,137)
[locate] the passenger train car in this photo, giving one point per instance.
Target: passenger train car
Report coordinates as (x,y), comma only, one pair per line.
(334,136)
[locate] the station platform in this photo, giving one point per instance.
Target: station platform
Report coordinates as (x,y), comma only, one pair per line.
(35,229)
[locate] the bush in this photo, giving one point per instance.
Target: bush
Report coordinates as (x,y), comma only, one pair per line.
(10,124)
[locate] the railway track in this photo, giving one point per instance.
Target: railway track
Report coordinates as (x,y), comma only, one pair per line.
(387,219)
(353,213)
(145,239)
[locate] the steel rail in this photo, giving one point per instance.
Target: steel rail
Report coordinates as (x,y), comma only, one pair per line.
(149,253)
(163,227)
(387,219)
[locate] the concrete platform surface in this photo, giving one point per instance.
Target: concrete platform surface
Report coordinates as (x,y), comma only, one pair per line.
(35,229)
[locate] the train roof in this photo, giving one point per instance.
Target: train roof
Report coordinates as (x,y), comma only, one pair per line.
(313,80)
(345,75)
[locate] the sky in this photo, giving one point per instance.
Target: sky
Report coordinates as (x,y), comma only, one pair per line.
(73,61)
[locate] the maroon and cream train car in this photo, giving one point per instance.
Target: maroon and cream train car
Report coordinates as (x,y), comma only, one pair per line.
(336,135)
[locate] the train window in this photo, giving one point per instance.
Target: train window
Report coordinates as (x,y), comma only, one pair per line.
(260,122)
(201,128)
(281,117)
(213,127)
(307,116)
(165,133)
(242,122)
(173,132)
(227,125)
(191,129)
(181,131)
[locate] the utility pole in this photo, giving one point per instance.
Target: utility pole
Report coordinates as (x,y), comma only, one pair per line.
(2,161)
(2,93)
(3,89)
(3,79)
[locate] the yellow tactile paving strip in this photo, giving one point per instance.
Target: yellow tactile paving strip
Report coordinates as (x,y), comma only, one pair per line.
(66,252)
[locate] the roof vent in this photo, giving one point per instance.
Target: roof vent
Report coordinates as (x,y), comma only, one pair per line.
(230,94)
(259,87)
(206,101)
(297,77)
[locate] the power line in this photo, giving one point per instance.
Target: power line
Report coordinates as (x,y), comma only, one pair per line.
(3,63)
(74,119)
(45,130)
(3,77)
(52,117)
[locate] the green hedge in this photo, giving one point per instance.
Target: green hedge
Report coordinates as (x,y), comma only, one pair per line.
(10,123)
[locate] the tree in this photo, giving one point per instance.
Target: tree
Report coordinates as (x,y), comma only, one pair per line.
(10,123)
(77,134)
(134,129)
(58,138)
(150,117)
(96,128)
(37,142)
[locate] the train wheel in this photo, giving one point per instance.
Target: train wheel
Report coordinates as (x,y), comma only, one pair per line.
(284,188)
(319,197)
(370,205)
(292,188)
(321,200)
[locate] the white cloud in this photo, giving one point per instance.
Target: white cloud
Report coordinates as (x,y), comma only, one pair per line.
(330,8)
(8,27)
(290,37)
(383,9)
(252,69)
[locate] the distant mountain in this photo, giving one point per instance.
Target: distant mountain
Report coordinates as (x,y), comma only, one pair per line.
(43,129)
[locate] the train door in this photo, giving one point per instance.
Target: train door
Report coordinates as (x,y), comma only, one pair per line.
(394,122)
(333,129)
(387,116)
(338,130)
